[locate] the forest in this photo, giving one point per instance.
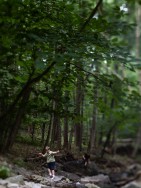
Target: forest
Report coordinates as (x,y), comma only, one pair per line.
(70,76)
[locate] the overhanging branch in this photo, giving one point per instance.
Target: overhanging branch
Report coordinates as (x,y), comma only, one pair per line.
(94,11)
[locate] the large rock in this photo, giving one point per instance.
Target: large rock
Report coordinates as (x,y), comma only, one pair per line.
(96,179)
(69,175)
(78,168)
(132,185)
(16,179)
(35,185)
(2,186)
(133,169)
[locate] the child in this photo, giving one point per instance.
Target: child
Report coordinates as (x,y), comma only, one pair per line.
(86,159)
(50,161)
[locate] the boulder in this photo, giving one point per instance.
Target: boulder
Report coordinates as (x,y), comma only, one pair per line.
(16,179)
(79,168)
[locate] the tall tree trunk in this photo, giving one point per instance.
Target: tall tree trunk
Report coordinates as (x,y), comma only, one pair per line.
(94,121)
(108,138)
(65,145)
(138,54)
(9,122)
(78,110)
(43,132)
(47,141)
(71,136)
(33,132)
(56,132)
(15,126)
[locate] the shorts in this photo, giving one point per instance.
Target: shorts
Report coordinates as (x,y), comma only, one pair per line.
(51,165)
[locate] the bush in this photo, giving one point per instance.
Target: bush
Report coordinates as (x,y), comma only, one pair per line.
(4,172)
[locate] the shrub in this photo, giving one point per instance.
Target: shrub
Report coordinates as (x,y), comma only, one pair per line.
(4,172)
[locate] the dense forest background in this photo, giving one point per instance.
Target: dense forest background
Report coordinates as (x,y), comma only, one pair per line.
(70,74)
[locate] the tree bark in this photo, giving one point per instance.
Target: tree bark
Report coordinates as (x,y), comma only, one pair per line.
(13,130)
(137,35)
(94,121)
(78,124)
(9,123)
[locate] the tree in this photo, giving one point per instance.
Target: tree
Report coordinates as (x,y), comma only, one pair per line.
(49,49)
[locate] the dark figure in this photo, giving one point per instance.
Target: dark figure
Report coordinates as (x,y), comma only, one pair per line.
(86,159)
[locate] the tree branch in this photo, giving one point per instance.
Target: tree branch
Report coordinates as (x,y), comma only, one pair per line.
(94,11)
(90,73)
(26,86)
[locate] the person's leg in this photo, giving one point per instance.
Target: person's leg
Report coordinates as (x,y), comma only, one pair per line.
(49,172)
(49,169)
(53,169)
(53,172)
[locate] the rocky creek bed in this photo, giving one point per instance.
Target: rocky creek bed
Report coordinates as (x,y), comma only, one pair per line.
(100,173)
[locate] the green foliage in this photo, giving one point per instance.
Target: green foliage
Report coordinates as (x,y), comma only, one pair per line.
(20,162)
(26,139)
(4,172)
(36,33)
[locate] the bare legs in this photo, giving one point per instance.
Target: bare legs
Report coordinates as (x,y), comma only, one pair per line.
(51,172)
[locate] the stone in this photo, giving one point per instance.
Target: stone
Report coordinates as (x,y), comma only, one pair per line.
(91,185)
(12,185)
(16,179)
(96,179)
(2,186)
(132,185)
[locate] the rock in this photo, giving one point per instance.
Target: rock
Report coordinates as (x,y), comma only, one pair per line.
(58,178)
(136,183)
(21,171)
(90,185)
(79,185)
(12,185)
(118,176)
(3,182)
(96,179)
(132,185)
(16,179)
(34,185)
(133,169)
(79,168)
(71,176)
(2,186)
(65,185)
(38,178)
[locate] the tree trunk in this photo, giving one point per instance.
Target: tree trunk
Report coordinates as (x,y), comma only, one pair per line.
(55,135)
(48,134)
(78,124)
(9,123)
(108,138)
(71,136)
(15,126)
(43,132)
(65,133)
(94,121)
(138,33)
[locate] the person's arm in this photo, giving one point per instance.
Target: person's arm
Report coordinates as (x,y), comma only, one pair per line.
(83,157)
(43,155)
(54,152)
